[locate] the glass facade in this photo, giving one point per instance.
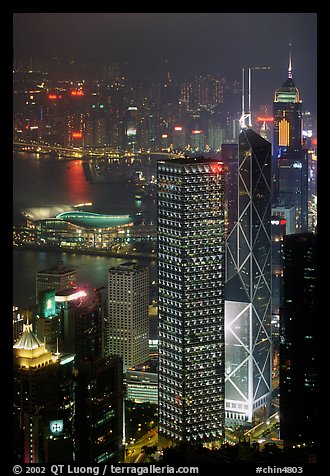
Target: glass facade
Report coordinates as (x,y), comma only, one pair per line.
(293,184)
(191,299)
(300,342)
(248,284)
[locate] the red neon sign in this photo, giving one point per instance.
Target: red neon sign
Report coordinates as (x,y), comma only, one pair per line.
(76,135)
(265,119)
(196,132)
(52,96)
(216,168)
(283,221)
(77,92)
(314,141)
(178,128)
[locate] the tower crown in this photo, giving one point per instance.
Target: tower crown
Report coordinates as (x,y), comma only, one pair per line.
(288,92)
(29,351)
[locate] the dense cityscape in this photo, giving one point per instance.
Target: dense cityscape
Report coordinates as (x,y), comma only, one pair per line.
(165,270)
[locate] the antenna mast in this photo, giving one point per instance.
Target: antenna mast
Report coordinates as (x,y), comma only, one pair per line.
(245,116)
(290,63)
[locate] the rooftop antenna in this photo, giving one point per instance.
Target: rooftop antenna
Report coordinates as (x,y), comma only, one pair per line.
(250,92)
(246,116)
(57,352)
(290,63)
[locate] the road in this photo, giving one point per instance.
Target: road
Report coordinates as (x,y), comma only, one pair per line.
(133,452)
(80,152)
(257,433)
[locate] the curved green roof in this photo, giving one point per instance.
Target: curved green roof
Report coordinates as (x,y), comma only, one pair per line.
(95,220)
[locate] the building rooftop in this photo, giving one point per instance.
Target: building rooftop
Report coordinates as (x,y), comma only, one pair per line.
(95,220)
(129,266)
(190,160)
(27,341)
(59,269)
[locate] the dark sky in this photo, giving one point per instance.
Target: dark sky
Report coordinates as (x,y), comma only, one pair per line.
(191,43)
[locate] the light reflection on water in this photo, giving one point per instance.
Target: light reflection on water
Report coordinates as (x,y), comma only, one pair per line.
(42,182)
(90,270)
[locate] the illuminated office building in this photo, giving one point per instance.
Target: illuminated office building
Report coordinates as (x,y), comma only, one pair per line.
(131,129)
(47,321)
(248,285)
(287,116)
(179,138)
(98,398)
(191,301)
(80,311)
(142,382)
(229,156)
(290,159)
(59,277)
(127,324)
(18,322)
(43,402)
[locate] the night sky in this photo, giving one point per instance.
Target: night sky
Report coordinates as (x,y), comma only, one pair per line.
(182,43)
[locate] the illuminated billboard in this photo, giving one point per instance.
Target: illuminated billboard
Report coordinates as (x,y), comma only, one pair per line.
(77,135)
(56,426)
(47,303)
(70,297)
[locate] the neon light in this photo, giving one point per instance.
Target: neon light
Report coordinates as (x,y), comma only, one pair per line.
(178,128)
(52,96)
(77,92)
(283,221)
(314,141)
(70,297)
(265,119)
(216,168)
(283,131)
(164,136)
(67,360)
(196,132)
(76,135)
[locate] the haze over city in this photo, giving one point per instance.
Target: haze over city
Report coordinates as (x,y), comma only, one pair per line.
(164,241)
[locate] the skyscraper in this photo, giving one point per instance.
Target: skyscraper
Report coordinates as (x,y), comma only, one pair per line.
(58,278)
(287,116)
(290,161)
(98,398)
(191,300)
(248,284)
(38,399)
(47,321)
(99,410)
(300,334)
(80,311)
(18,322)
(127,326)
(229,156)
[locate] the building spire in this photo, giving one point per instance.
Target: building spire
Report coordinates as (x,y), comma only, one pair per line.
(290,63)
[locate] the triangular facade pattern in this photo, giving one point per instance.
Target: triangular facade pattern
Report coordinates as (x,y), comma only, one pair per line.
(248,284)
